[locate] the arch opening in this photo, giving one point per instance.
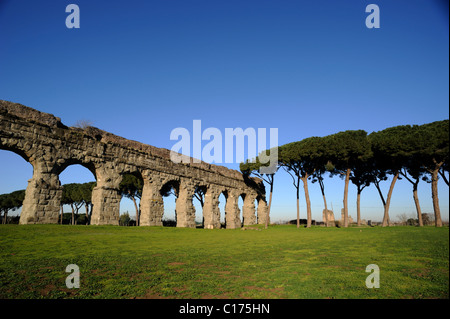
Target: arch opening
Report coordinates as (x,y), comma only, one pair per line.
(241,200)
(199,195)
(59,169)
(130,188)
(222,212)
(15,172)
(77,182)
(169,192)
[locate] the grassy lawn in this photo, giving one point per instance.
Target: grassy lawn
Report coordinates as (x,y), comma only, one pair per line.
(281,262)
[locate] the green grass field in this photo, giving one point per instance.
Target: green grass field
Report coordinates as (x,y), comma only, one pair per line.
(281,262)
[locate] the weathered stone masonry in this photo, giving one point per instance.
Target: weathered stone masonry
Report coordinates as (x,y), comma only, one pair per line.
(50,146)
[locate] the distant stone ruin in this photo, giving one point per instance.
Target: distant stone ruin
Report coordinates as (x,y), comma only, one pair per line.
(328,218)
(350,219)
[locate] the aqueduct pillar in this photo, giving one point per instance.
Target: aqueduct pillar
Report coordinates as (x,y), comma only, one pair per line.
(106,198)
(184,207)
(151,204)
(211,211)
(232,211)
(42,196)
(262,211)
(248,210)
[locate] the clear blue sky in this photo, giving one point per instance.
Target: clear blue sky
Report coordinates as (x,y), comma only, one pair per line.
(139,69)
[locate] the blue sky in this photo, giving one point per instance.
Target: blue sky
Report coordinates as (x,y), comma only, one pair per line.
(139,69)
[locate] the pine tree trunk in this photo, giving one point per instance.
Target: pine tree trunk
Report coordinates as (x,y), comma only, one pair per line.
(308,202)
(76,215)
(326,211)
(347,179)
(298,203)
(90,213)
(324,202)
(137,210)
(87,213)
(270,204)
(358,206)
(62,214)
(434,194)
(386,220)
(416,202)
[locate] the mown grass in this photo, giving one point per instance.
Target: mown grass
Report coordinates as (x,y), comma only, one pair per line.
(281,262)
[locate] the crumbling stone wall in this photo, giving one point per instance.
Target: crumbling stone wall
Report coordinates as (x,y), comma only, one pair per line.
(328,217)
(50,146)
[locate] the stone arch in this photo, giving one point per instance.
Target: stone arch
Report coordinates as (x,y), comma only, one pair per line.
(49,145)
(171,185)
(17,176)
(41,189)
(70,173)
(25,155)
(62,166)
(18,144)
(43,192)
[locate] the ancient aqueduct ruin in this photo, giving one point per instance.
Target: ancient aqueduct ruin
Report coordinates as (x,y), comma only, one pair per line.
(50,147)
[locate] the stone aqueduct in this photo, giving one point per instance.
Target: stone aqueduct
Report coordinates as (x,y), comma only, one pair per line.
(50,146)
